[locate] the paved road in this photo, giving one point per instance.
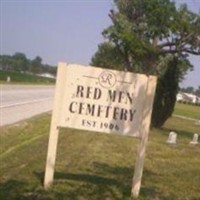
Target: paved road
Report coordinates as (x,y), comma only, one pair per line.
(18,102)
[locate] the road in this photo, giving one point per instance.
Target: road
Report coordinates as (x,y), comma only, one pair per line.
(18,102)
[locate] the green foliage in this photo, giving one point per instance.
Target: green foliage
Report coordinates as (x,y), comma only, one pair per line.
(197,91)
(36,65)
(19,62)
(107,57)
(165,97)
(152,37)
(18,77)
(192,90)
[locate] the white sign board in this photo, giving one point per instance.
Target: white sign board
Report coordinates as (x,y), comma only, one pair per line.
(102,100)
(96,99)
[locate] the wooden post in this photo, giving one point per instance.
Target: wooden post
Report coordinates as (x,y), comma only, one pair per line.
(54,131)
(144,132)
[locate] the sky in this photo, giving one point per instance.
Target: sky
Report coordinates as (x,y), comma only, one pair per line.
(64,30)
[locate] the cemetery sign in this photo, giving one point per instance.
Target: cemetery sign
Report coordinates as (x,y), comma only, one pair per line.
(101,100)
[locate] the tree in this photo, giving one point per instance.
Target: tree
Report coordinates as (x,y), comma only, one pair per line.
(36,65)
(20,62)
(154,37)
(6,62)
(107,56)
(197,92)
(189,89)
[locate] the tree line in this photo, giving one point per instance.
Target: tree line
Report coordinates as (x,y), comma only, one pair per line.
(191,90)
(19,62)
(152,37)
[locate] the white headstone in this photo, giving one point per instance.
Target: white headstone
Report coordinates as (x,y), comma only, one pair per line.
(197,122)
(172,138)
(8,79)
(195,139)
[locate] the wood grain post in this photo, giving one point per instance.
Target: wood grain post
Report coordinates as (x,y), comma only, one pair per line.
(54,131)
(144,132)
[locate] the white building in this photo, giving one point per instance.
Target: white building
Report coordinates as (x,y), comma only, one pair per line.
(187,97)
(47,75)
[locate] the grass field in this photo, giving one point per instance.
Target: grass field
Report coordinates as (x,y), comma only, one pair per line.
(93,166)
(17,77)
(186,110)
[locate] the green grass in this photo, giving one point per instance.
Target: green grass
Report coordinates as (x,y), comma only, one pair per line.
(17,77)
(186,110)
(94,166)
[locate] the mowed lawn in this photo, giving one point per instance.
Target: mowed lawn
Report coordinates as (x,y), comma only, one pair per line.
(187,110)
(96,166)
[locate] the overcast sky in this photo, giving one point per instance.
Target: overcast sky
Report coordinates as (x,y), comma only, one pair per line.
(63,30)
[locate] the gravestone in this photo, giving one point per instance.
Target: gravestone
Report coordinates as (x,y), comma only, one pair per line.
(197,122)
(195,139)
(172,138)
(8,79)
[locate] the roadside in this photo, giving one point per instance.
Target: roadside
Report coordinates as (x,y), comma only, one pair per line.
(18,102)
(15,113)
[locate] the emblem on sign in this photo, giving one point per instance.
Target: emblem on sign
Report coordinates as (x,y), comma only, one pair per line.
(107,79)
